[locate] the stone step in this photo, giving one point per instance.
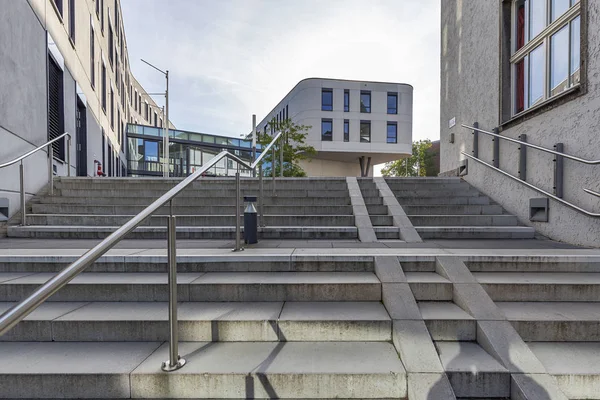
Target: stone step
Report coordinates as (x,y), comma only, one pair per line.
(201,321)
(449,200)
(387,232)
(453,210)
(195,193)
(382,220)
(433,193)
(541,286)
(575,366)
(183,232)
(210,286)
(213,370)
(429,286)
(554,321)
(376,209)
(425,186)
(188,220)
(472,372)
(375,201)
(526,263)
(370,192)
(464,220)
(475,232)
(44,208)
(423,180)
(448,322)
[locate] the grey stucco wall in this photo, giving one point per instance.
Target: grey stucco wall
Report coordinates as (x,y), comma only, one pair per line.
(470,87)
(23,110)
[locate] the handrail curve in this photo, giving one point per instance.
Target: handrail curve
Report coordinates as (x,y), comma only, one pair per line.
(16,314)
(24,156)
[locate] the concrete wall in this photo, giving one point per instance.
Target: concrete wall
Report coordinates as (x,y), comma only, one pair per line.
(318,167)
(470,91)
(23,109)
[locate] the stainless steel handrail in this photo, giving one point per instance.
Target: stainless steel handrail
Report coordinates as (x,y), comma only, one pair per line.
(50,171)
(558,153)
(568,204)
(16,314)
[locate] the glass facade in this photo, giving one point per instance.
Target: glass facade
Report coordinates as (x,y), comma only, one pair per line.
(188,151)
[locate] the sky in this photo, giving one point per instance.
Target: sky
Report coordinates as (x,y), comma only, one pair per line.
(229,59)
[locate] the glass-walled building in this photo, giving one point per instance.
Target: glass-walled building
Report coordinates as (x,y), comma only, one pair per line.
(187,152)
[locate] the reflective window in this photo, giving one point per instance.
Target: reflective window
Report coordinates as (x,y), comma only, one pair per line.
(537,68)
(365,102)
(365,131)
(559,61)
(537,20)
(346,100)
(392,103)
(151,151)
(327,100)
(575,44)
(327,130)
(558,8)
(392,132)
(346,130)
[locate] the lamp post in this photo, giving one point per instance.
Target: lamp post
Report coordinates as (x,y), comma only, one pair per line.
(166,137)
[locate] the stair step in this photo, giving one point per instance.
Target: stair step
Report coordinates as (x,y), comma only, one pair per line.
(204,321)
(464,220)
(447,322)
(192,201)
(197,194)
(453,210)
(429,286)
(434,193)
(449,200)
(382,220)
(387,232)
(213,370)
(475,232)
(541,286)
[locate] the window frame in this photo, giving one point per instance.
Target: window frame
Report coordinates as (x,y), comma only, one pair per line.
(387,133)
(92,57)
(394,94)
(346,100)
(543,38)
(364,109)
(346,130)
(326,138)
(323,105)
(365,122)
(72,21)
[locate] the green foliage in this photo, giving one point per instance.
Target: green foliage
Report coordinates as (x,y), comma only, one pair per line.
(294,149)
(421,163)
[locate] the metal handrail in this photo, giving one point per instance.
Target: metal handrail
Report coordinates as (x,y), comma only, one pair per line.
(558,153)
(542,191)
(50,171)
(16,314)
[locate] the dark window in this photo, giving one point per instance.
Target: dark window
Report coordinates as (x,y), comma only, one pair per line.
(392,103)
(155,119)
(72,20)
(346,101)
(104,87)
(98,8)
(392,132)
(119,122)
(326,130)
(326,100)
(112,108)
(287,112)
(365,102)
(92,59)
(346,130)
(59,6)
(365,131)
(111,46)
(101,14)
(56,121)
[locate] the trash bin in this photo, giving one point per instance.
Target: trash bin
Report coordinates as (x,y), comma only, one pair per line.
(250,221)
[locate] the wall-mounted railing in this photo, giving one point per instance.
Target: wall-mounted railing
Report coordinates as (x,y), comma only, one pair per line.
(522,172)
(50,170)
(16,314)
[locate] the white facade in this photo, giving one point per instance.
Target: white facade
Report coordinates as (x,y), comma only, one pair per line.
(308,104)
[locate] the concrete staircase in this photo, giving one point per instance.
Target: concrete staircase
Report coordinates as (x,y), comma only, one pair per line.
(380,216)
(449,208)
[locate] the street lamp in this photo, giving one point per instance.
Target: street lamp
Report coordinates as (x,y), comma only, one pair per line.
(166,137)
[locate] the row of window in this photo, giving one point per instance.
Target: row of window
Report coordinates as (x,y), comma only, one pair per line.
(365,101)
(365,131)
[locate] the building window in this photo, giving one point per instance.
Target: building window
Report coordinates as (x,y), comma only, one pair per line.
(326,130)
(92,58)
(155,119)
(112,108)
(72,20)
(545,57)
(101,15)
(111,46)
(365,102)
(392,103)
(392,132)
(346,130)
(327,100)
(346,101)
(365,131)
(104,87)
(59,7)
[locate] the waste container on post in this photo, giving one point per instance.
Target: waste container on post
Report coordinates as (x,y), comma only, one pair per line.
(250,221)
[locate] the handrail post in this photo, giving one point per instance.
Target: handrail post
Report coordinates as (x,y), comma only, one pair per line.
(69,156)
(174,362)
(273,168)
(523,158)
(558,171)
(281,156)
(22,181)
(496,141)
(476,140)
(261,201)
(238,229)
(50,172)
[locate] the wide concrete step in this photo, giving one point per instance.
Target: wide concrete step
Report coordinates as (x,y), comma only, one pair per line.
(210,286)
(434,193)
(370,192)
(464,220)
(448,322)
(382,220)
(183,232)
(204,321)
(188,220)
(429,286)
(387,232)
(425,186)
(423,180)
(213,370)
(472,372)
(526,263)
(453,210)
(449,200)
(376,209)
(475,232)
(554,321)
(575,366)
(541,286)
(195,193)
(373,201)
(55,208)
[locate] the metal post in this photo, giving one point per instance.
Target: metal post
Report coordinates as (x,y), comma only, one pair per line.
(281,156)
(496,160)
(69,156)
(166,141)
(559,162)
(50,172)
(254,138)
(22,180)
(523,158)
(175,362)
(261,202)
(475,140)
(273,167)
(238,230)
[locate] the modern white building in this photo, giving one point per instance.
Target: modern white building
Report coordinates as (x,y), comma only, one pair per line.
(354,124)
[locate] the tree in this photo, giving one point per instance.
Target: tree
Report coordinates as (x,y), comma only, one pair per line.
(295,148)
(421,163)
